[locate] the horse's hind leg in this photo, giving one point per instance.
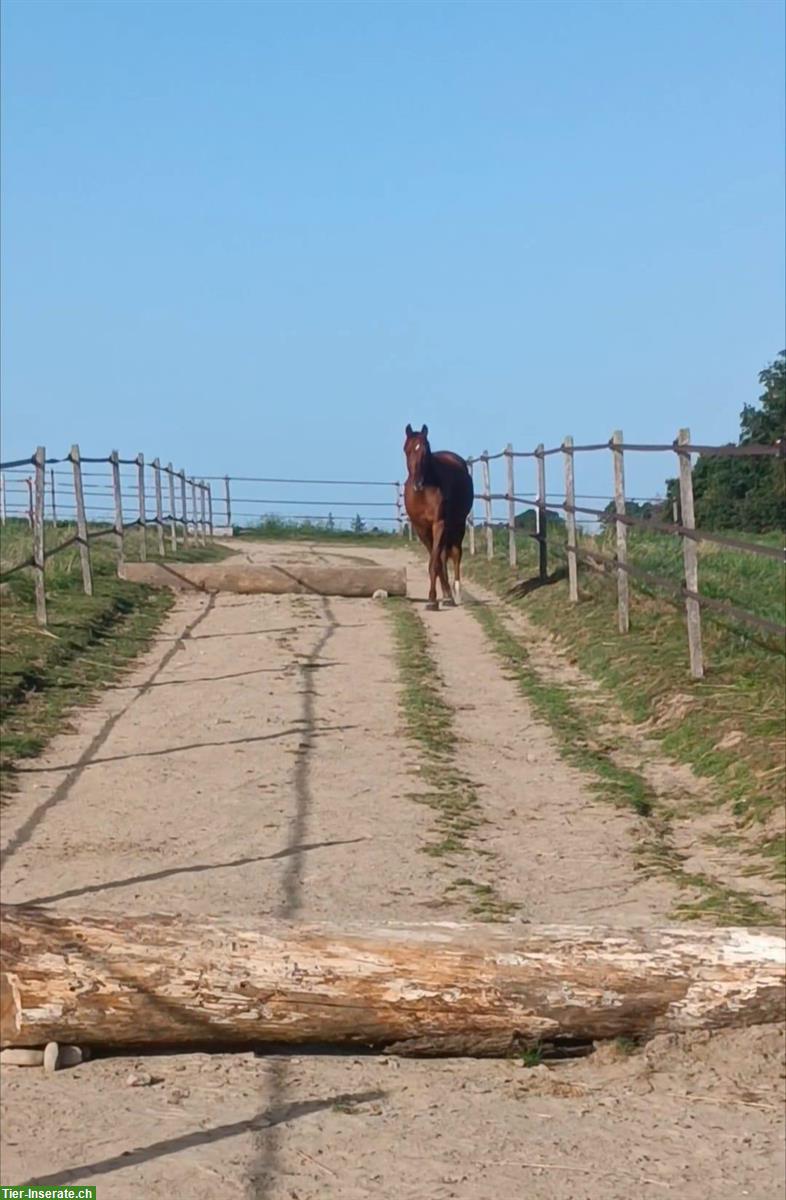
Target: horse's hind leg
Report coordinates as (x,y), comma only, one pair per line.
(455,554)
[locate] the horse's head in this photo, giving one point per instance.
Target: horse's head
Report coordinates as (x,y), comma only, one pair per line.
(417,451)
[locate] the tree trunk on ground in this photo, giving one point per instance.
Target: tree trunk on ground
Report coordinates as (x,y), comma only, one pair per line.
(163,981)
(250,578)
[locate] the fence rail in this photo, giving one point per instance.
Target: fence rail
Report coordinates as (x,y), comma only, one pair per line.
(617,517)
(175,508)
(74,506)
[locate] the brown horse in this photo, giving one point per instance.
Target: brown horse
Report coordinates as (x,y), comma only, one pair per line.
(438,497)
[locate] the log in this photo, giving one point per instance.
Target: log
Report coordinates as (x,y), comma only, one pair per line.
(112,981)
(252,578)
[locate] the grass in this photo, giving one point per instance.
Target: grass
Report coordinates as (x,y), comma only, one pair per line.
(729,726)
(44,674)
(429,722)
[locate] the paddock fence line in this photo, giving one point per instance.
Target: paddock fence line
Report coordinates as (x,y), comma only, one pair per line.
(99,493)
(616,515)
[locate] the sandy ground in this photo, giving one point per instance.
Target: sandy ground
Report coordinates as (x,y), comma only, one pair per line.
(254,762)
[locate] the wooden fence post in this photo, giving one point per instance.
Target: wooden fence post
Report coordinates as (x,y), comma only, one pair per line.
(172,513)
(542,515)
(511,506)
(690,557)
(39,551)
(81,522)
(140,469)
(570,518)
(54,496)
(159,507)
(202,510)
(228,499)
(114,459)
(2,499)
(195,520)
(210,512)
(484,458)
(621,531)
(183,505)
(471,518)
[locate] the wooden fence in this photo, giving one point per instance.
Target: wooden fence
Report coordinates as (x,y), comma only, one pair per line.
(169,521)
(183,512)
(683,525)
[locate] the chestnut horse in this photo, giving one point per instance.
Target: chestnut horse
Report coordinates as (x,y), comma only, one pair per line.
(438,497)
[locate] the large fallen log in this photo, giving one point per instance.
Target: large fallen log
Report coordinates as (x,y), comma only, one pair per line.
(119,981)
(250,578)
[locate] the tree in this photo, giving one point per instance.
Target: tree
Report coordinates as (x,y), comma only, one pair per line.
(746,493)
(358,525)
(330,523)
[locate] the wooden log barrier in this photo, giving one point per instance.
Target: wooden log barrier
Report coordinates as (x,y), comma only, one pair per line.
(252,578)
(443,989)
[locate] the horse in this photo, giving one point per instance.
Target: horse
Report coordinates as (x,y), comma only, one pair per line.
(438,497)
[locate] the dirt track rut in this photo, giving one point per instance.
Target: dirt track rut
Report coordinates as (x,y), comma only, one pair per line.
(254,762)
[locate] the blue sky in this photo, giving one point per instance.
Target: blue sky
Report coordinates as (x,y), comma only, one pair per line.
(260,238)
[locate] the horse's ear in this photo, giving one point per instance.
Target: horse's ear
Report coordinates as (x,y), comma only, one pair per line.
(424,431)
(408,431)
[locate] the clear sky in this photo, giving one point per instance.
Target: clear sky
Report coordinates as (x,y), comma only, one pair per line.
(261,237)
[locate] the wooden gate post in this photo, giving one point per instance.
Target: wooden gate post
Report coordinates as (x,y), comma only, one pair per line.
(184,505)
(81,522)
(203,510)
(172,512)
(511,506)
(541,515)
(570,518)
(54,496)
(39,551)
(114,459)
(228,498)
(484,458)
(690,557)
(621,532)
(159,507)
(195,519)
(471,517)
(140,469)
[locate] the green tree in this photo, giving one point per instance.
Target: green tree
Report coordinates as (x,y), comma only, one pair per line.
(746,493)
(358,525)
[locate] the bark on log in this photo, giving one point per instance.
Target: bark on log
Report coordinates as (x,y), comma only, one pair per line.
(162,980)
(251,578)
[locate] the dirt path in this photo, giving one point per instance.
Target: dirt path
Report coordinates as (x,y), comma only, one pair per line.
(255,762)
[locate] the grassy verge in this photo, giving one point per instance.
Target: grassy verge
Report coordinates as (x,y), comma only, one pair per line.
(44,674)
(612,782)
(729,726)
(429,723)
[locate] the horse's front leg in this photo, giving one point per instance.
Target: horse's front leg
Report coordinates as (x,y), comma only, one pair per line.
(447,594)
(434,565)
